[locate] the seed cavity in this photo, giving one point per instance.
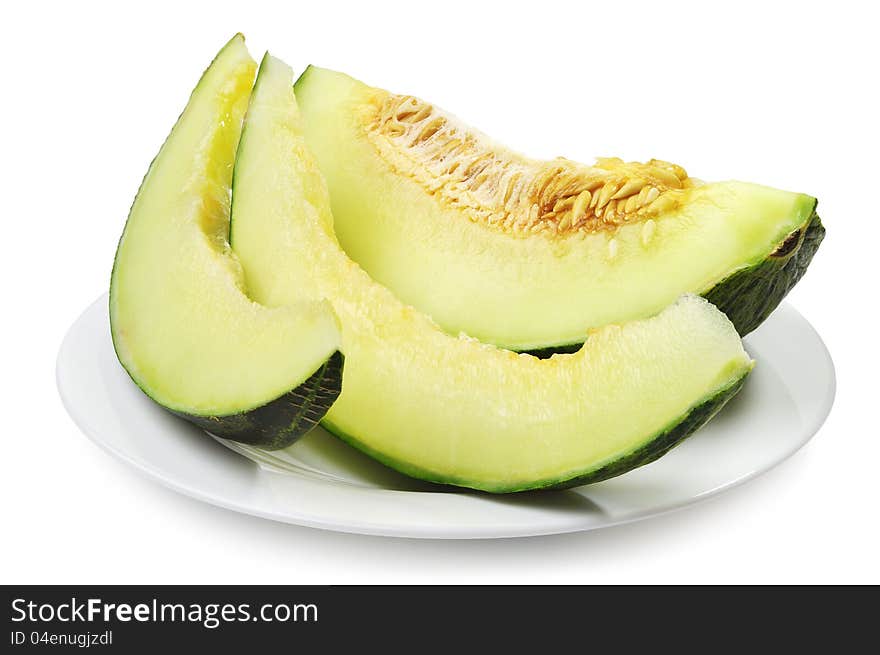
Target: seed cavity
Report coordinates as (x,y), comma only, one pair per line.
(493,185)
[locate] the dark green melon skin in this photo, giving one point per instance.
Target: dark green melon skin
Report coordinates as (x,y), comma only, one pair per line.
(749,296)
(282,421)
(653,449)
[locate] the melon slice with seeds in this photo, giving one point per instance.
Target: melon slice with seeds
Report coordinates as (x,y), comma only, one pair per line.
(530,254)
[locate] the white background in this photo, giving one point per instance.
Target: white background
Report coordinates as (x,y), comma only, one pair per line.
(780,94)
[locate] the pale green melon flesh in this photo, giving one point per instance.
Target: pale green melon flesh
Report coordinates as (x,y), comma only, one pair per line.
(525,292)
(450,408)
(182,325)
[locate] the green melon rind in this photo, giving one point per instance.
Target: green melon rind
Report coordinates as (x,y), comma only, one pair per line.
(280,422)
(750,295)
(653,448)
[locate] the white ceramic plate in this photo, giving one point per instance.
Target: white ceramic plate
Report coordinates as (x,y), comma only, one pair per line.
(323,483)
